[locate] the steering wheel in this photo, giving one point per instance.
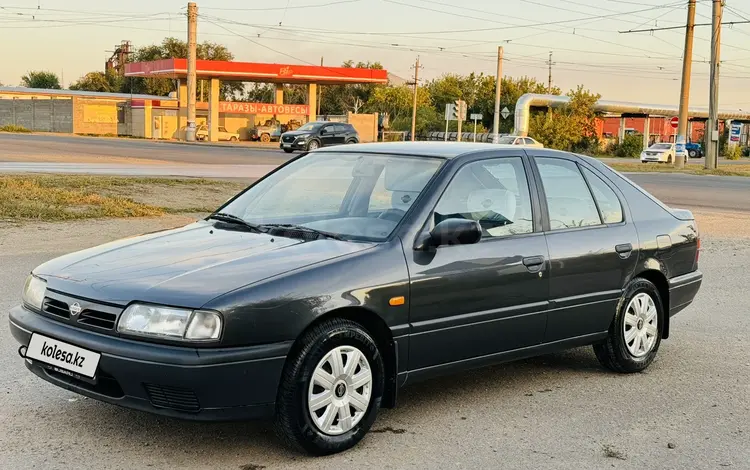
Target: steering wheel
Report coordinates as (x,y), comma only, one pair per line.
(394,215)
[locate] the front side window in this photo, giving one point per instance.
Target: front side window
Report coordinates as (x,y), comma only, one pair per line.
(310,126)
(609,206)
(569,201)
(354,195)
(493,192)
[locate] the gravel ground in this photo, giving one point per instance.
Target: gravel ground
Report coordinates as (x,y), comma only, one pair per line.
(690,409)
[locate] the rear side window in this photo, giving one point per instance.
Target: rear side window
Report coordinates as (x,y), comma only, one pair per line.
(569,201)
(609,206)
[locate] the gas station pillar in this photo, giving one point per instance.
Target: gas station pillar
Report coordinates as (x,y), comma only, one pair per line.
(646,131)
(312,102)
(182,99)
(279,94)
(213,111)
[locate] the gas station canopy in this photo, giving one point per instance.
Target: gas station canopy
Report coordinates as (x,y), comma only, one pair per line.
(257,72)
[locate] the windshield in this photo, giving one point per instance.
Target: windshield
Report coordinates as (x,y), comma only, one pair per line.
(508,139)
(353,195)
(661,146)
(310,126)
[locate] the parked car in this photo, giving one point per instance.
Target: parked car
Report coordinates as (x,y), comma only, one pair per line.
(318,134)
(517,140)
(694,150)
(317,292)
(202,134)
(663,152)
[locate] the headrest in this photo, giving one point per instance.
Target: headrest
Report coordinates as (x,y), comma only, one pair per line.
(500,201)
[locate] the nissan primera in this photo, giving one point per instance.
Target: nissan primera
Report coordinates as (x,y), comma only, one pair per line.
(316,293)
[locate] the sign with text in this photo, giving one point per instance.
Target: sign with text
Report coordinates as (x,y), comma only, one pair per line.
(735,132)
(240,107)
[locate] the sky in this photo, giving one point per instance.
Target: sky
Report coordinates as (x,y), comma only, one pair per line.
(72,37)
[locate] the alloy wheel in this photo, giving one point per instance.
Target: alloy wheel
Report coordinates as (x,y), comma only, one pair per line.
(340,390)
(640,327)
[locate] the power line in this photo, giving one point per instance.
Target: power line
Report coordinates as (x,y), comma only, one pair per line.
(295,7)
(667,28)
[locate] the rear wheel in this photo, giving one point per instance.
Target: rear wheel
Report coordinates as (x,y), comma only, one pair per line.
(351,141)
(233,139)
(331,389)
(635,334)
(692,153)
(265,138)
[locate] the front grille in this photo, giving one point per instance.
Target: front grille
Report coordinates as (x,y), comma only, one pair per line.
(56,308)
(93,315)
(288,138)
(98,319)
(181,399)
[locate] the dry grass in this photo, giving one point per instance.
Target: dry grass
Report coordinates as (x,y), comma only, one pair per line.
(725,170)
(70,197)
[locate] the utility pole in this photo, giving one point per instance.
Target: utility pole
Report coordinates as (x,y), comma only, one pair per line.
(414,104)
(498,81)
(712,127)
(320,90)
(192,16)
(549,82)
(687,65)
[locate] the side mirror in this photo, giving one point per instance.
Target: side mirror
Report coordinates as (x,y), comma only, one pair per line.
(451,232)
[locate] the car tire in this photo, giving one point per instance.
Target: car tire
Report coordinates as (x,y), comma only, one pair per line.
(692,153)
(233,139)
(669,160)
(300,390)
(313,145)
(265,138)
(288,150)
(351,141)
(635,334)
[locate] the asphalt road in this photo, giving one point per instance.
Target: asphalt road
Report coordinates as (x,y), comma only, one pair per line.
(690,409)
(36,146)
(39,146)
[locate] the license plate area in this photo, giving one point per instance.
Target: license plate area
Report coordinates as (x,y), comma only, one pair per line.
(63,357)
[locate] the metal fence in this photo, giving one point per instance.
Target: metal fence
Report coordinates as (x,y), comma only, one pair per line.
(38,115)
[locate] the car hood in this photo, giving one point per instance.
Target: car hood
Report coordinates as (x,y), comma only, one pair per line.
(185,267)
(297,133)
(657,150)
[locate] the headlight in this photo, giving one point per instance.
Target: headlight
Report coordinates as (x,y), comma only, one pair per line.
(172,323)
(33,291)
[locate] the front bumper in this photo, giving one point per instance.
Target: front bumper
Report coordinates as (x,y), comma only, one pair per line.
(298,144)
(182,382)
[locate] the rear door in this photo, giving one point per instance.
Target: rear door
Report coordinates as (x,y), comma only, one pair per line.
(592,246)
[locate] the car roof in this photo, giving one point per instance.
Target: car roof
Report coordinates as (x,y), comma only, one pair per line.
(419,149)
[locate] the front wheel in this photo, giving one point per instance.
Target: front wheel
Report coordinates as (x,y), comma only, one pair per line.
(331,388)
(233,139)
(635,334)
(288,150)
(692,153)
(313,145)
(265,138)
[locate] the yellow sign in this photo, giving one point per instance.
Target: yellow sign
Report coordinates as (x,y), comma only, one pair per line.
(99,114)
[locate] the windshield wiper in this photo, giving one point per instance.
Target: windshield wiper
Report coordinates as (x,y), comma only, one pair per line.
(302,228)
(233,219)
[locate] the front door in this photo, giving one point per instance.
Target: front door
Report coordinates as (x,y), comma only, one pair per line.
(592,247)
(469,301)
(328,135)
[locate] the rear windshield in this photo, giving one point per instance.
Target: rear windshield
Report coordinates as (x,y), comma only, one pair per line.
(661,146)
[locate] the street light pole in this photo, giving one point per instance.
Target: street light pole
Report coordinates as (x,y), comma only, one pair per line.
(192,17)
(712,127)
(687,64)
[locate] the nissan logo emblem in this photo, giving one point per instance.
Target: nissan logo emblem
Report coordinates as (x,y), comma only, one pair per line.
(75,309)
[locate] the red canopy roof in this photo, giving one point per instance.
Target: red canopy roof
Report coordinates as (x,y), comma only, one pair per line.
(257,72)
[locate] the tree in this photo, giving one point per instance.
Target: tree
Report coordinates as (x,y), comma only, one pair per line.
(41,79)
(571,127)
(176,48)
(99,81)
(396,101)
(340,99)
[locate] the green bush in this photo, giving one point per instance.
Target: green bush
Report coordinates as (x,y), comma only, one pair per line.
(733,152)
(13,128)
(630,147)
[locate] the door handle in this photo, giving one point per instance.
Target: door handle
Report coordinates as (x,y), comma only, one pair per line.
(624,250)
(534,263)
